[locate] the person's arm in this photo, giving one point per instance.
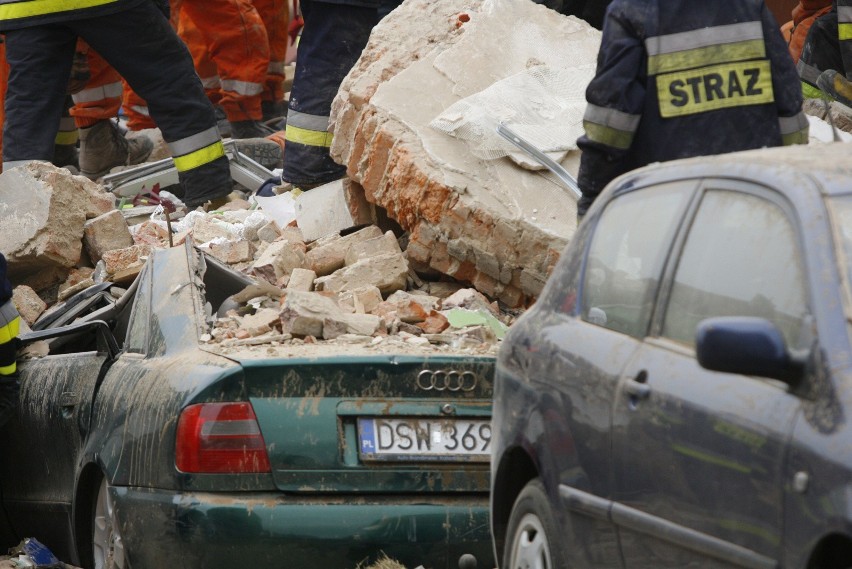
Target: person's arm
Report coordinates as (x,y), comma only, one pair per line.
(9,328)
(615,100)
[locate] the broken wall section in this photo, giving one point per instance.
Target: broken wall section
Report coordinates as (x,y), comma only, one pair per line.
(488,223)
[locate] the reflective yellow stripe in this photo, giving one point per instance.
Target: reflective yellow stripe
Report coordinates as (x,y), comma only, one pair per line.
(42,7)
(66,137)
(844,32)
(710,55)
(200,157)
(608,135)
(10,330)
(800,137)
(308,137)
(714,87)
(8,370)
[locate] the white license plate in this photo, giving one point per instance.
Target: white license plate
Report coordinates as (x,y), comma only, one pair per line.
(422,438)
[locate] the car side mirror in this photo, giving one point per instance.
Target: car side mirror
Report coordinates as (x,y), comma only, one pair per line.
(747,346)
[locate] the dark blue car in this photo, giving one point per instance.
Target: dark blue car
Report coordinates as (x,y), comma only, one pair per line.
(681,393)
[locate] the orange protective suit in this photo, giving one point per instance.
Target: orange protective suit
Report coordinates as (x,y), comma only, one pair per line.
(238,48)
(804,14)
(100,99)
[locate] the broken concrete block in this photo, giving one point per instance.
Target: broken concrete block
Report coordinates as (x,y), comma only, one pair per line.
(387,243)
(435,323)
(121,260)
(301,280)
(68,292)
(465,216)
(261,322)
(269,232)
(361,300)
(30,306)
(42,212)
(326,209)
(312,314)
(278,260)
(207,229)
(329,257)
(388,272)
(106,232)
(428,302)
(470,299)
(233,252)
(152,233)
(359,324)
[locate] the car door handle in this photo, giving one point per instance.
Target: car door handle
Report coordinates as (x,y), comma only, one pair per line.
(638,388)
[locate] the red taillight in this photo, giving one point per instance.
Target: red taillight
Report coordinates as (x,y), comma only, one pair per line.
(221,438)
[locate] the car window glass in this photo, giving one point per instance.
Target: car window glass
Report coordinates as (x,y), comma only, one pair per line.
(137,334)
(627,253)
(741,258)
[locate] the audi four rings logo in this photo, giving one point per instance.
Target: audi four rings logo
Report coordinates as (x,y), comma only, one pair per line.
(441,380)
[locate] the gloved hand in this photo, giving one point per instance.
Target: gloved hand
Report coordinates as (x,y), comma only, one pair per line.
(80,73)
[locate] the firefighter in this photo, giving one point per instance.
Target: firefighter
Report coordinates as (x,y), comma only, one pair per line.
(334,34)
(9,327)
(135,38)
(825,66)
(238,48)
(680,78)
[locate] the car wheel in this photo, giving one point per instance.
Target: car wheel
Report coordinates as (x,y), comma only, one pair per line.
(107,545)
(532,536)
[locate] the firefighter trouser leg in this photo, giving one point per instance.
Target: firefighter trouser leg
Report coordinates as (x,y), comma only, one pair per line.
(4,78)
(9,328)
(134,107)
(275,15)
(820,53)
(101,98)
(39,66)
(236,40)
(332,40)
(143,48)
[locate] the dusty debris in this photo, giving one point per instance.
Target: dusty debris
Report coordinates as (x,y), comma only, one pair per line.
(28,303)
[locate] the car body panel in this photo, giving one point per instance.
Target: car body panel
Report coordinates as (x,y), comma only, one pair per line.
(725,470)
(123,429)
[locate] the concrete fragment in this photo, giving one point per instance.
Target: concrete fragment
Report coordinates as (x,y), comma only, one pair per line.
(361,300)
(434,323)
(28,303)
(151,233)
(233,252)
(312,314)
(387,243)
(106,232)
(327,258)
(42,212)
(269,232)
(468,218)
(207,229)
(301,280)
(331,208)
(388,272)
(261,322)
(470,299)
(278,260)
(120,260)
(68,292)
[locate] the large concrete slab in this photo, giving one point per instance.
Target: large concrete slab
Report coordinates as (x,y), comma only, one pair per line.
(487,222)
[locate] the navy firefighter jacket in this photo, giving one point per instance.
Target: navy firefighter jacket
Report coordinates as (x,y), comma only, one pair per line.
(681,78)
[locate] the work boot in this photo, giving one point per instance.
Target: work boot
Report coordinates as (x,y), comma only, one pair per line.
(103,147)
(836,86)
(249,129)
(265,152)
(65,156)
